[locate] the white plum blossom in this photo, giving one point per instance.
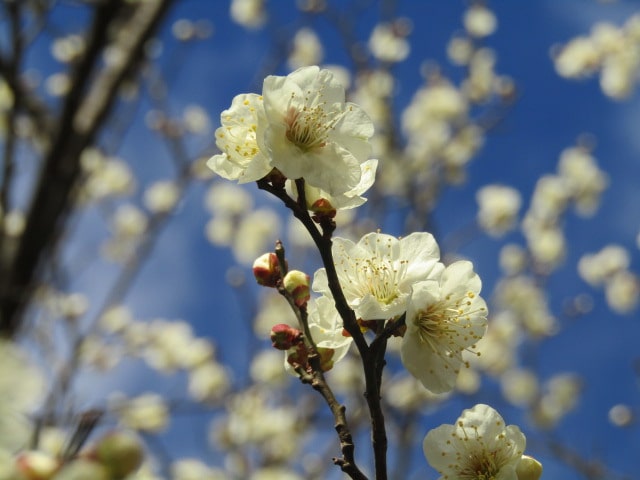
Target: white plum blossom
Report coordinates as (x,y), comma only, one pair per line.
(608,49)
(248,13)
(326,328)
(327,331)
(162,196)
(302,126)
(622,292)
(378,273)
(312,132)
(444,318)
(307,49)
(498,208)
(478,446)
(147,412)
(388,43)
(479,21)
(241,158)
(208,382)
(598,268)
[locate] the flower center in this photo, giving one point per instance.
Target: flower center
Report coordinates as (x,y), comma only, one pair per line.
(446,323)
(483,468)
(482,461)
(308,128)
(379,278)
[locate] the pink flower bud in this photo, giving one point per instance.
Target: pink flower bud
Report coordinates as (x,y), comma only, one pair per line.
(35,465)
(284,337)
(120,452)
(266,270)
(323,208)
(297,284)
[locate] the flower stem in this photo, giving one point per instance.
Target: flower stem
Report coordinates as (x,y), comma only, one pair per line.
(372,358)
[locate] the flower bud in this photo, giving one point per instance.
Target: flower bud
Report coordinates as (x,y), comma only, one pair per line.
(266,270)
(120,452)
(323,208)
(284,337)
(35,465)
(297,284)
(529,468)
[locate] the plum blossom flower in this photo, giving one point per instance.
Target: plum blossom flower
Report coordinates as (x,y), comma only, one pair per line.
(241,158)
(312,133)
(478,446)
(498,208)
(444,318)
(378,272)
(327,332)
(326,328)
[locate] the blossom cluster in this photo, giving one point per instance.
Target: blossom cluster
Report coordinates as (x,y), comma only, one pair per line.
(612,51)
(384,277)
(301,128)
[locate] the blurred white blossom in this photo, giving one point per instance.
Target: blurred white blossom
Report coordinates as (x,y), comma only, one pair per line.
(612,51)
(147,412)
(307,49)
(161,196)
(479,21)
(498,208)
(248,13)
(388,43)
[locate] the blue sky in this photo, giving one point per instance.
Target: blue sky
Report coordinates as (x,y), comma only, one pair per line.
(186,278)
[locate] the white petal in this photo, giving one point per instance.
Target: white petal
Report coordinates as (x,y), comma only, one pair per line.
(436,370)
(461,275)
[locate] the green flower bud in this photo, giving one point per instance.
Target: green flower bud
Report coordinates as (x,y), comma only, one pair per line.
(284,337)
(297,284)
(120,452)
(529,468)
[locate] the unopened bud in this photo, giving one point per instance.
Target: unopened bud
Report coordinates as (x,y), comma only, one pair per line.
(323,208)
(120,452)
(284,337)
(82,469)
(266,269)
(297,284)
(35,465)
(528,468)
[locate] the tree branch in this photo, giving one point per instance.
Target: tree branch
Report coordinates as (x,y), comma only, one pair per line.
(84,113)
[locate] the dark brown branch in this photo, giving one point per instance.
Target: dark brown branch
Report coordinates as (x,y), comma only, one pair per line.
(315,377)
(12,72)
(372,358)
(83,115)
